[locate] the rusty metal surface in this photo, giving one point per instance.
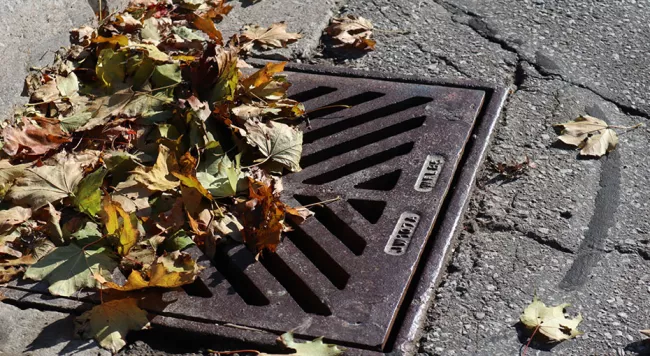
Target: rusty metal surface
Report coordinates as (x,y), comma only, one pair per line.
(403,161)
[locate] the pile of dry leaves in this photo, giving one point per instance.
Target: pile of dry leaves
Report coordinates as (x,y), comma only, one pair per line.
(144,138)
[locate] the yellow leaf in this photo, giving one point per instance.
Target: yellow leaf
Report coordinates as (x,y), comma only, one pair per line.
(120,224)
(109,322)
(550,321)
(168,271)
(158,177)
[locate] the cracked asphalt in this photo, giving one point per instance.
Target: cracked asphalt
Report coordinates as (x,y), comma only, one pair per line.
(570,230)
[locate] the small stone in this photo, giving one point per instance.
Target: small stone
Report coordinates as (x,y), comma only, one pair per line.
(545,137)
(439,349)
(622,315)
(618,333)
(491,287)
(544,231)
(479,315)
(608,336)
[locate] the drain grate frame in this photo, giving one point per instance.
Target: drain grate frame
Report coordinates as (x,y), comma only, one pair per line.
(399,323)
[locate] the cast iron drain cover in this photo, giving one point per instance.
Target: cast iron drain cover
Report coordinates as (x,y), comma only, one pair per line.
(402,160)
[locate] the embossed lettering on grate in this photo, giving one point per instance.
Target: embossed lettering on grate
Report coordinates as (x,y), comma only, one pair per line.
(345,273)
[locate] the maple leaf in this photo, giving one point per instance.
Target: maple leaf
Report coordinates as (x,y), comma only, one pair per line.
(187,174)
(109,322)
(275,36)
(593,136)
(88,196)
(263,76)
(13,216)
(119,224)
(550,321)
(310,348)
(158,177)
(69,268)
(168,271)
(33,140)
(351,31)
(206,25)
(47,184)
(223,178)
(276,142)
(262,218)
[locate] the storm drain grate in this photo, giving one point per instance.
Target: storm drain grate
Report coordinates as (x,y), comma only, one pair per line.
(402,160)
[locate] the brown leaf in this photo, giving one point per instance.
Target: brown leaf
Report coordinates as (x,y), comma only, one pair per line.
(206,25)
(33,140)
(262,218)
(298,215)
(12,217)
(351,31)
(275,36)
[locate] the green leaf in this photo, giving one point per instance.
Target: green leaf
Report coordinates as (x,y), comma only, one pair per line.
(226,85)
(75,121)
(153,52)
(88,234)
(187,34)
(150,30)
(88,198)
(46,184)
(146,105)
(140,68)
(166,75)
(111,68)
(223,178)
(277,142)
(68,269)
(178,241)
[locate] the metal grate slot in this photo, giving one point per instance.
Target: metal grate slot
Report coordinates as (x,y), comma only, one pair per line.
(297,288)
(339,126)
(198,289)
(372,210)
(352,101)
(384,182)
(361,141)
(319,257)
(313,93)
(334,224)
(231,262)
(361,164)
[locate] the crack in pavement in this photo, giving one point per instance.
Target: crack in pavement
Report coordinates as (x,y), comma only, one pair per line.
(480,27)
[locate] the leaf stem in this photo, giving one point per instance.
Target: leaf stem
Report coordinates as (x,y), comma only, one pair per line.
(626,127)
(320,203)
(329,107)
(531,339)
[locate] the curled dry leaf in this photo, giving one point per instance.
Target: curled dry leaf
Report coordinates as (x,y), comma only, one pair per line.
(351,31)
(645,332)
(33,140)
(593,136)
(12,217)
(275,36)
(550,321)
